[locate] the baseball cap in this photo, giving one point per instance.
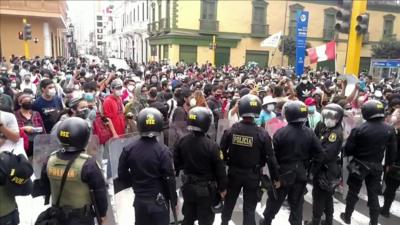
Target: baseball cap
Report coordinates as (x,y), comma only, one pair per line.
(116,83)
(18,172)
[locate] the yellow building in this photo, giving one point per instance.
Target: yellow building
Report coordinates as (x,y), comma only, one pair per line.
(47,19)
(183,30)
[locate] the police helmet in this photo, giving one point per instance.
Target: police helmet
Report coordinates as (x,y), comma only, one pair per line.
(199,119)
(150,122)
(295,111)
(74,134)
(332,115)
(373,109)
(249,106)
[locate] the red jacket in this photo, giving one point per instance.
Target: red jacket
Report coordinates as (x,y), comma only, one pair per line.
(113,108)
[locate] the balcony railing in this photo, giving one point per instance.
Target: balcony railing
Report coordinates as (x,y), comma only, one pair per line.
(164,25)
(328,34)
(152,28)
(259,30)
(209,26)
(389,37)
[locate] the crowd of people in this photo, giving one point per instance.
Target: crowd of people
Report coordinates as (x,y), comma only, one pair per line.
(46,96)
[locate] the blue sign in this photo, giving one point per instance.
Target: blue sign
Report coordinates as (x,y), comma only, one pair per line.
(301,40)
(386,63)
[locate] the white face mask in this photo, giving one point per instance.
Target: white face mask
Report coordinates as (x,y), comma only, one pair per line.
(329,123)
(130,87)
(51,92)
(76,87)
(270,107)
(13,85)
(304,81)
(118,92)
(193,102)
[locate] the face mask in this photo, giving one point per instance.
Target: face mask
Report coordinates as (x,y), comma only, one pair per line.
(13,85)
(153,80)
(26,105)
(83,113)
(76,87)
(118,92)
(131,88)
(1,90)
(329,123)
(304,81)
(311,109)
(89,97)
(51,92)
(193,102)
(270,107)
(68,76)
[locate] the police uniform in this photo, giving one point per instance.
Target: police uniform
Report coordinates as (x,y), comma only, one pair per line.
(246,148)
(204,170)
(84,176)
(8,206)
(328,177)
(146,165)
(295,146)
(368,144)
(392,181)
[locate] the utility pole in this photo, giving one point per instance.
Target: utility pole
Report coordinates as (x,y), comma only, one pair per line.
(283,35)
(27,34)
(214,46)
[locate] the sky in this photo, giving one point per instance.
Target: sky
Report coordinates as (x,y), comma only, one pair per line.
(81,13)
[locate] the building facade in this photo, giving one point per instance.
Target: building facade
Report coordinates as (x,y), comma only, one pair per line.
(183,30)
(48,21)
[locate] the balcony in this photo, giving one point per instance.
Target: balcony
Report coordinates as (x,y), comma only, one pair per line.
(152,28)
(164,26)
(389,37)
(259,30)
(328,34)
(209,26)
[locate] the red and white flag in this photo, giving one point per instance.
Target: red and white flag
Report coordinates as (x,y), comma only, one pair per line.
(322,53)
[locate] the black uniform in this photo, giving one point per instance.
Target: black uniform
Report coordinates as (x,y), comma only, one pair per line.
(92,175)
(246,148)
(204,176)
(392,181)
(367,144)
(295,146)
(147,165)
(328,177)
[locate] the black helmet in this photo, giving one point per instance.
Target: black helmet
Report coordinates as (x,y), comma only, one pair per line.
(373,109)
(199,119)
(249,106)
(332,115)
(150,122)
(74,134)
(295,111)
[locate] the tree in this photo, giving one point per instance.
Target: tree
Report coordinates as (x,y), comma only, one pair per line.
(290,48)
(386,49)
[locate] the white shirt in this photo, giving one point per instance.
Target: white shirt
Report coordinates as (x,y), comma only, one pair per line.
(8,120)
(29,85)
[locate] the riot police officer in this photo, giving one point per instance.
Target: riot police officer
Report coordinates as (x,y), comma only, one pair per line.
(84,187)
(147,166)
(368,144)
(204,179)
(15,173)
(295,146)
(330,132)
(246,149)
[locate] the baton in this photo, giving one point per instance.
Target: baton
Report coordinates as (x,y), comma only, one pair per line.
(95,208)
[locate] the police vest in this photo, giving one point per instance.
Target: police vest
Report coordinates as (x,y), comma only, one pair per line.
(7,202)
(76,193)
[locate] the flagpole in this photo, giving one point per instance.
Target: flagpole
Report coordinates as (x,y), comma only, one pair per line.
(283,35)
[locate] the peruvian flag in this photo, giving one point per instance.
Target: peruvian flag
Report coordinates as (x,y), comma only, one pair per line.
(322,53)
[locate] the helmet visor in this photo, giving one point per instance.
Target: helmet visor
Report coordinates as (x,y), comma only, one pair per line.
(330,114)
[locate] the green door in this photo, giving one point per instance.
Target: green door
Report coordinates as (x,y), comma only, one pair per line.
(188,53)
(222,56)
(165,52)
(260,57)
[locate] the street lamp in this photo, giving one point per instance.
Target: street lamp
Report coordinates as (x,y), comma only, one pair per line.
(71,30)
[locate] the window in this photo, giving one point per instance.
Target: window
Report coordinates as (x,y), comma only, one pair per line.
(99,31)
(208,9)
(329,24)
(153,14)
(99,18)
(159,10)
(142,11)
(99,43)
(292,18)
(258,25)
(99,36)
(388,23)
(99,24)
(134,15)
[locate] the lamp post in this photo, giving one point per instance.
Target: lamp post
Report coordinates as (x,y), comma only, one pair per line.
(71,30)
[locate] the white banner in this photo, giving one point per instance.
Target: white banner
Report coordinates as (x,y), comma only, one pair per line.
(272,41)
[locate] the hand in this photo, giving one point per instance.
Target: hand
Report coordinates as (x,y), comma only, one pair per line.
(277,184)
(28,129)
(115,136)
(223,194)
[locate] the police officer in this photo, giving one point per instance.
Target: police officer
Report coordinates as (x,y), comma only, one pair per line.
(204,179)
(330,132)
(295,146)
(15,173)
(84,187)
(246,149)
(147,166)
(367,144)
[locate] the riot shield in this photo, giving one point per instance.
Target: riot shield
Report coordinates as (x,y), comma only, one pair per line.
(212,132)
(350,122)
(273,125)
(45,144)
(223,124)
(176,131)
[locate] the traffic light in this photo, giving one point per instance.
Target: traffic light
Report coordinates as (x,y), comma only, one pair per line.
(20,36)
(27,32)
(362,23)
(343,16)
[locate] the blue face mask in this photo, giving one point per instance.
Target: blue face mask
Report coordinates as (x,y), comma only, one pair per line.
(89,97)
(311,109)
(68,76)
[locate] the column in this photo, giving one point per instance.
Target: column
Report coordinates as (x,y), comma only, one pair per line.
(46,40)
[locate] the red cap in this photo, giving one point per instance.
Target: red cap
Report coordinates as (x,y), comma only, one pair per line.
(309,101)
